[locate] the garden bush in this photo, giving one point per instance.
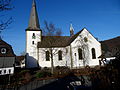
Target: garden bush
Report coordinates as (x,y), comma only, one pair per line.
(61,71)
(42,74)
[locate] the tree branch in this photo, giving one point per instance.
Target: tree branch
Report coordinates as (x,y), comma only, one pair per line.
(5,5)
(4,25)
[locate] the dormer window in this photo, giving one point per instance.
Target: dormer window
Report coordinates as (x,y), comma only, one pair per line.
(0,71)
(3,50)
(4,71)
(33,36)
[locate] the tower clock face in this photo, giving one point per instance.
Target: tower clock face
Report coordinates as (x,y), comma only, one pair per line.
(3,50)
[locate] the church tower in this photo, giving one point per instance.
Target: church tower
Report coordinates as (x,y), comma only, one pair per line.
(33,36)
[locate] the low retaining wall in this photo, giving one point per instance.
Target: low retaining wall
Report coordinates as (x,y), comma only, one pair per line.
(32,85)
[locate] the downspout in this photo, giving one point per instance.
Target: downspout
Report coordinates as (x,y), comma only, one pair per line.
(38,57)
(71,57)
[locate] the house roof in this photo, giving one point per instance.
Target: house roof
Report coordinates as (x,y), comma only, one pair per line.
(57,41)
(74,37)
(7,62)
(53,41)
(111,46)
(20,58)
(9,50)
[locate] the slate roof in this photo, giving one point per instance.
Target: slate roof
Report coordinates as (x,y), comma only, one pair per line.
(8,59)
(9,52)
(53,41)
(7,62)
(57,41)
(34,21)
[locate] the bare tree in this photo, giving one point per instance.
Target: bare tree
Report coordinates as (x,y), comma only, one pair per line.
(82,43)
(5,5)
(53,32)
(23,53)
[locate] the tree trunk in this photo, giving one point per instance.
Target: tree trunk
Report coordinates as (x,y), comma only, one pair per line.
(52,65)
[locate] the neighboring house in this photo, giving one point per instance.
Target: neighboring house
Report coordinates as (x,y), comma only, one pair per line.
(76,50)
(20,61)
(7,58)
(111,48)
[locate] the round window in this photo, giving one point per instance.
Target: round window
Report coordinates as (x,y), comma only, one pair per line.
(85,39)
(3,50)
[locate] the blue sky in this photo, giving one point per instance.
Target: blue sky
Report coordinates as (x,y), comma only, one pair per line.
(100,17)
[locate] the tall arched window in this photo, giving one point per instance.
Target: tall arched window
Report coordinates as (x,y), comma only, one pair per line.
(93,53)
(80,54)
(60,55)
(47,56)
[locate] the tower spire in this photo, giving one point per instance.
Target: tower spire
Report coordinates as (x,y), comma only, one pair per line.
(71,30)
(34,21)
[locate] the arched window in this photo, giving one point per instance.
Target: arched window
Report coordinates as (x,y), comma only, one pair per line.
(47,56)
(60,55)
(33,36)
(80,54)
(33,42)
(93,53)
(3,50)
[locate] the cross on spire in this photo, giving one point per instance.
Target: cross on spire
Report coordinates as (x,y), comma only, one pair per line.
(71,30)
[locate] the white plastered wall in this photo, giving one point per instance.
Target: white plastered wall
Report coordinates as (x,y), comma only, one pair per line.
(9,70)
(31,49)
(65,57)
(91,43)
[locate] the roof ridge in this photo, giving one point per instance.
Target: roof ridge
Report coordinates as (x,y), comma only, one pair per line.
(111,39)
(56,36)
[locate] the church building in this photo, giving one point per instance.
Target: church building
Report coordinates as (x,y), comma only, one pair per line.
(77,50)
